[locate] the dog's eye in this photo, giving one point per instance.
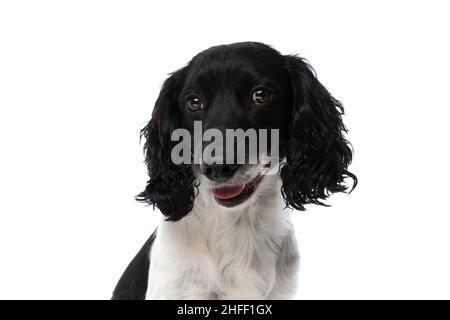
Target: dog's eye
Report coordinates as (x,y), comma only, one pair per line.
(194,103)
(261,96)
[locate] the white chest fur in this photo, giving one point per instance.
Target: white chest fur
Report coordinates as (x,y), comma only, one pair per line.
(219,253)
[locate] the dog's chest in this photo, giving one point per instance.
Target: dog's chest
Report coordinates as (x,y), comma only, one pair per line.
(214,260)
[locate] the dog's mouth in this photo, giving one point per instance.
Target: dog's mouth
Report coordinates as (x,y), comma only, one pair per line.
(231,196)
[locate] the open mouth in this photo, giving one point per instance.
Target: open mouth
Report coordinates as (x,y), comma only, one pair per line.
(231,196)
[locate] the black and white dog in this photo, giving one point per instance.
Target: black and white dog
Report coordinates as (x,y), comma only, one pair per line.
(226,233)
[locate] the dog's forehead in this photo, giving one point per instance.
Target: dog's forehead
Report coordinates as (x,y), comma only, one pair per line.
(236,62)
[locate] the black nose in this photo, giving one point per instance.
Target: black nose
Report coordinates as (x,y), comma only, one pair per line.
(218,172)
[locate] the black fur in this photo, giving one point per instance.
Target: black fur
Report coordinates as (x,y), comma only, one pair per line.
(134,281)
(167,180)
(318,154)
(309,118)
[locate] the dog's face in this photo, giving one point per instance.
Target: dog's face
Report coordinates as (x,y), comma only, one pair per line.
(241,87)
(246,86)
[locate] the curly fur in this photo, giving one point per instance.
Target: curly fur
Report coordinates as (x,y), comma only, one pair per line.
(167,180)
(317,154)
(243,250)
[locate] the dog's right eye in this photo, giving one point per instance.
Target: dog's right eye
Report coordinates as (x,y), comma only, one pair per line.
(261,96)
(193,103)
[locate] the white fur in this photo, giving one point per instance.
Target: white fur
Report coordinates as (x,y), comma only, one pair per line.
(245,252)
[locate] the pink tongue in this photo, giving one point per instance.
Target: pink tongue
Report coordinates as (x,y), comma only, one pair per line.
(225,193)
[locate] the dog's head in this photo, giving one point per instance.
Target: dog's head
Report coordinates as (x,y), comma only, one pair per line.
(246,86)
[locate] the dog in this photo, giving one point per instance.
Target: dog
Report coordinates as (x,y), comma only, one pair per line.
(227,232)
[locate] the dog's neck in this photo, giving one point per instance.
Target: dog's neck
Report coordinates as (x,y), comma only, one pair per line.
(229,252)
(209,219)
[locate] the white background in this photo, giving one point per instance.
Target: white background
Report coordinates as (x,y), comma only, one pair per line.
(78,80)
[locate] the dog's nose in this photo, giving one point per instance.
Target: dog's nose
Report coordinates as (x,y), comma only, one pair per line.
(218,172)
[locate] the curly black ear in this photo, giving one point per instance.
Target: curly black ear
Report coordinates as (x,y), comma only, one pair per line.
(171,187)
(318,154)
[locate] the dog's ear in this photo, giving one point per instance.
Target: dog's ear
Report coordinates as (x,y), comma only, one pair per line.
(318,153)
(171,187)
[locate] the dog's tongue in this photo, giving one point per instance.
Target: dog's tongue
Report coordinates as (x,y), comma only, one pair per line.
(225,193)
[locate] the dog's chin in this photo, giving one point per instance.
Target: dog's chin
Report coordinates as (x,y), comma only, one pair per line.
(234,195)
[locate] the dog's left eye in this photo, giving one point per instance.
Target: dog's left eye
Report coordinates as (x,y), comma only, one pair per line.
(194,103)
(261,96)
